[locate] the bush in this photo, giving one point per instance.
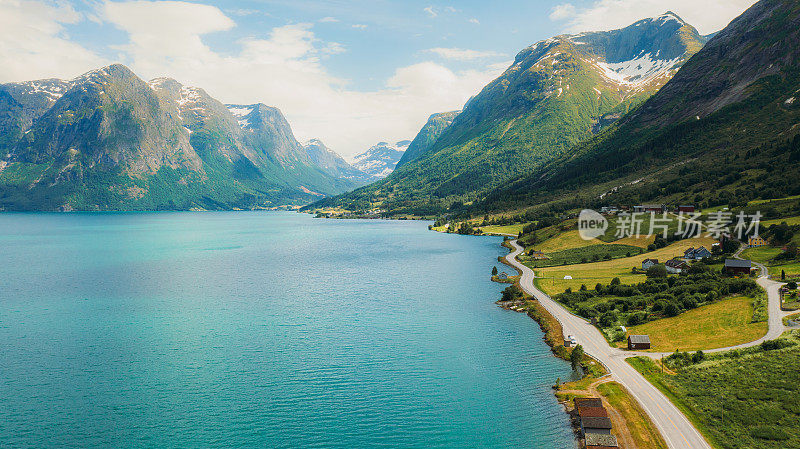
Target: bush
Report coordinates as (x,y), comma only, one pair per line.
(780,343)
(615,281)
(657,271)
(671,310)
(608,319)
(791,285)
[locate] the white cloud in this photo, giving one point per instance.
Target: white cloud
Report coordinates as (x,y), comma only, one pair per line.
(460,54)
(562,12)
(475,21)
(328,20)
(33,43)
(707,16)
(285,70)
(431,12)
(359,26)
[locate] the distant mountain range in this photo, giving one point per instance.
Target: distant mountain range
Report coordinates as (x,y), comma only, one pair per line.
(333,164)
(108,140)
(558,93)
(381,159)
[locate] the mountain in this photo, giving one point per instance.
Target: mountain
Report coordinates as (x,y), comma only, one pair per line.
(557,93)
(380,159)
(333,164)
(724,130)
(108,140)
(426,137)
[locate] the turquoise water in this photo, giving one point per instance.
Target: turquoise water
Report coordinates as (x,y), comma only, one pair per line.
(263,329)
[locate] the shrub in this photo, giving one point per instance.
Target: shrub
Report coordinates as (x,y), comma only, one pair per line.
(615,281)
(657,271)
(672,310)
(608,319)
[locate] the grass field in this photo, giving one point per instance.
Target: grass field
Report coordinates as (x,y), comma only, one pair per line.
(640,241)
(513,229)
(765,254)
(591,273)
(642,430)
(741,399)
(565,240)
(584,254)
(789,220)
(718,325)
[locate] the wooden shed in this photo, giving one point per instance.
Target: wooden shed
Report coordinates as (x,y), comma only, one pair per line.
(637,342)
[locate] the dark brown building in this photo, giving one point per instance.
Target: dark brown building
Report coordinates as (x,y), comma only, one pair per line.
(638,342)
(588,402)
(738,267)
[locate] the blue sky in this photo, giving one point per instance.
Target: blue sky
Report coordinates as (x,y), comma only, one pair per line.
(349,72)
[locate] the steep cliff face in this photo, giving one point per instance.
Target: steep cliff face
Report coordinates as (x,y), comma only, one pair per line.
(109,140)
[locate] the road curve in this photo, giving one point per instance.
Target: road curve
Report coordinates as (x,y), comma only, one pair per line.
(677,430)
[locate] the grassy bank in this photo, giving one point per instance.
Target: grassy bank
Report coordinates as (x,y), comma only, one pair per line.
(739,399)
(725,323)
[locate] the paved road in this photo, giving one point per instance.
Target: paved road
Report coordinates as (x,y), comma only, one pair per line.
(673,425)
(676,429)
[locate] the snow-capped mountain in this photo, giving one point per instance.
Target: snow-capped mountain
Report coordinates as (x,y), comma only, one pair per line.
(381,159)
(333,164)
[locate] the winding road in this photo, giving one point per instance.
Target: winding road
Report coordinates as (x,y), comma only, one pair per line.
(677,430)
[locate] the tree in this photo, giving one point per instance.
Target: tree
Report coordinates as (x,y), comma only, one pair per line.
(576,357)
(792,285)
(657,271)
(615,281)
(783,275)
(494,271)
(672,310)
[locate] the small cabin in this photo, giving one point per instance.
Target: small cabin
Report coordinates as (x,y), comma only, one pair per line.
(738,267)
(685,209)
(638,342)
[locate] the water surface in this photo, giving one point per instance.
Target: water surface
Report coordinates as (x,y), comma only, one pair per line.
(263,329)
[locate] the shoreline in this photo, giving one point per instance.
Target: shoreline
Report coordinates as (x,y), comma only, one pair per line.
(631,416)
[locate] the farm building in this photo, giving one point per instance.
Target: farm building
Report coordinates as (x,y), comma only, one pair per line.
(638,342)
(647,263)
(738,267)
(600,441)
(685,209)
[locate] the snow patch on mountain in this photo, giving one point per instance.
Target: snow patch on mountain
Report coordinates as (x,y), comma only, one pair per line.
(381,159)
(637,71)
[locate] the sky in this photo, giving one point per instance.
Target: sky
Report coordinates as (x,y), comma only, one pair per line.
(351,73)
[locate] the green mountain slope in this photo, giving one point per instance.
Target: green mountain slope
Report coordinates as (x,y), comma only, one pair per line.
(724,130)
(557,93)
(427,136)
(109,141)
